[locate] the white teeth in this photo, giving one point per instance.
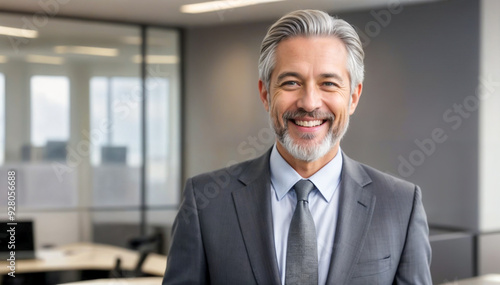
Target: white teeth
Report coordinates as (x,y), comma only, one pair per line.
(309,123)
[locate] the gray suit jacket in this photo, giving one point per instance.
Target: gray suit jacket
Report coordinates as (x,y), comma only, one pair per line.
(223,232)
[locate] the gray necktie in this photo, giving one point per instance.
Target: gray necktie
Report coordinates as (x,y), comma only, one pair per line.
(302,249)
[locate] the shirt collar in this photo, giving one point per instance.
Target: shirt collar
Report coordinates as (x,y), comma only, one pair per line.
(283,176)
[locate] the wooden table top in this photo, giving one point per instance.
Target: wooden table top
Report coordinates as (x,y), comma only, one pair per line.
(87,256)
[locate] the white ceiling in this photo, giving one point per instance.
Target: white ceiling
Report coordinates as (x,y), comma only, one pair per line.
(167,12)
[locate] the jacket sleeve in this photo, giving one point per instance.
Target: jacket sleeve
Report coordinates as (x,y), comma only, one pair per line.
(414,265)
(186,263)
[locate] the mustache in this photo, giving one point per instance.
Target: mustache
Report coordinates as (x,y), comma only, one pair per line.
(287,115)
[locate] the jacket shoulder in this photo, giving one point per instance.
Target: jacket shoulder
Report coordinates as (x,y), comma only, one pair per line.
(239,173)
(381,182)
(387,178)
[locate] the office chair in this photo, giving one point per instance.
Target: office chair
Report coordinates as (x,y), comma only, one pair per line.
(144,245)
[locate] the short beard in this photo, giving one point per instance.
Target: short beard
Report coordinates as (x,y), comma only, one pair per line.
(309,152)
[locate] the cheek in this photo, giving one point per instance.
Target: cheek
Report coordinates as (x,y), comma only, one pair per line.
(341,119)
(276,105)
(340,107)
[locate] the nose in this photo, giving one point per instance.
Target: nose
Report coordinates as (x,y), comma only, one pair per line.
(310,99)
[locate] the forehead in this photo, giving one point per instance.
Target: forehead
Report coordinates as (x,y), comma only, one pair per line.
(312,54)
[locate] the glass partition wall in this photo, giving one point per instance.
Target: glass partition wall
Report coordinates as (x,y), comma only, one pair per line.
(89,120)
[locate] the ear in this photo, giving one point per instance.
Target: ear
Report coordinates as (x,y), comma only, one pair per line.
(263,95)
(355,98)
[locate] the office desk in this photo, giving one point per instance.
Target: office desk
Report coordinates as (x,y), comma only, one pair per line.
(121,281)
(490,279)
(87,256)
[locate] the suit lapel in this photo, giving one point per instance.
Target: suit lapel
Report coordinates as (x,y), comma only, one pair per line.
(253,207)
(355,213)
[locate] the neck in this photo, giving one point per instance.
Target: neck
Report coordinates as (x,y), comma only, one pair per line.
(307,168)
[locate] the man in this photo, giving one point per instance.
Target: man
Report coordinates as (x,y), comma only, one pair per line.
(304,212)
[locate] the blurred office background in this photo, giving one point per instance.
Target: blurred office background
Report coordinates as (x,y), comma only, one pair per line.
(106,107)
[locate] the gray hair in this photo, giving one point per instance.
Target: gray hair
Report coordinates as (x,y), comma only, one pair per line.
(312,23)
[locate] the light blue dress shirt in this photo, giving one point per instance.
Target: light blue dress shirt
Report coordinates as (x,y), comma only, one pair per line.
(323,204)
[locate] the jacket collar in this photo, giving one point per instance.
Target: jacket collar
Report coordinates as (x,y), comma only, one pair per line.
(356,206)
(253,208)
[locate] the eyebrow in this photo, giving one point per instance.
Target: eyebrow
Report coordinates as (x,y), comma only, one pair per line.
(286,74)
(332,75)
(295,74)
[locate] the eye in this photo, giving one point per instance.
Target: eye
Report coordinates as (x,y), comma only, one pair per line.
(330,84)
(290,83)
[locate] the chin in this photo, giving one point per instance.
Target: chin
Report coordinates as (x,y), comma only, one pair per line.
(308,152)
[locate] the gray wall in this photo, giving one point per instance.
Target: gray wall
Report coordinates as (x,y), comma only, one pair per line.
(418,66)
(224,115)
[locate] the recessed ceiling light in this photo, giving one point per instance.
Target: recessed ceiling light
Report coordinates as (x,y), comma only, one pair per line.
(44,59)
(157,59)
(20,33)
(97,51)
(220,5)
(131,40)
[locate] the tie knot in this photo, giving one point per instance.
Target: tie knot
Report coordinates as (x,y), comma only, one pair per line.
(303,188)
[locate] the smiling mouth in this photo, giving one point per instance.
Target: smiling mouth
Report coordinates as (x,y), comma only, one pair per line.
(308,123)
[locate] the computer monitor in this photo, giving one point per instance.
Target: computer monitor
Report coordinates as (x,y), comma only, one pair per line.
(113,154)
(55,150)
(17,237)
